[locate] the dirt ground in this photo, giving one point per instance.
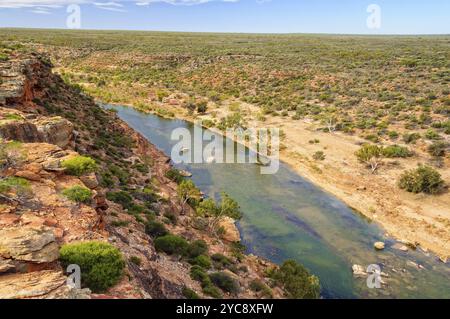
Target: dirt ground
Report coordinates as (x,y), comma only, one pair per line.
(415,219)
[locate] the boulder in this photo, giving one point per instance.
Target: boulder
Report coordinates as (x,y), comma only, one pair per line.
(40,284)
(28,175)
(55,130)
(33,244)
(231,232)
(379,245)
(90,181)
(358,271)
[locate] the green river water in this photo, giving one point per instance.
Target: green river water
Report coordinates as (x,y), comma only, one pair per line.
(287,217)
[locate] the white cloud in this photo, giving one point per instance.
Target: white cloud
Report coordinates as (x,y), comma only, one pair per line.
(59,3)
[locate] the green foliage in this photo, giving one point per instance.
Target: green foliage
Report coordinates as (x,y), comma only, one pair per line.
(121,197)
(297,281)
(196,248)
(212,291)
(155,229)
(432,135)
(370,155)
(101,263)
(135,260)
(171,244)
(189,293)
(259,287)
(224,282)
(202,260)
(79,165)
(78,194)
(411,138)
(20,185)
(221,261)
(174,175)
(395,151)
(319,156)
(423,179)
(438,148)
(188,192)
(226,207)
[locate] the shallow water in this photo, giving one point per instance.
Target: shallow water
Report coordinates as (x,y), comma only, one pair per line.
(287,217)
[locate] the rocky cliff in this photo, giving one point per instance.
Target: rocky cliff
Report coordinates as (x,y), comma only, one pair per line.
(43,122)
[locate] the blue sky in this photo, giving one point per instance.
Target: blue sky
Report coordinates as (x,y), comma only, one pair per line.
(259,16)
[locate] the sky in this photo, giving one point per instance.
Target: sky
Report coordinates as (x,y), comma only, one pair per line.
(246,16)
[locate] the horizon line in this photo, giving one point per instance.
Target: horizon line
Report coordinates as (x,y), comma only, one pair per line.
(237,33)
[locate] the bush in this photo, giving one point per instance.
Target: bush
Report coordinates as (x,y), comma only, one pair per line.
(199,274)
(224,282)
(101,263)
(135,260)
(221,261)
(319,156)
(423,179)
(432,135)
(155,229)
(174,175)
(438,148)
(258,286)
(196,248)
(394,151)
(78,194)
(411,138)
(18,184)
(189,293)
(297,281)
(79,165)
(212,291)
(122,198)
(202,261)
(171,244)
(370,155)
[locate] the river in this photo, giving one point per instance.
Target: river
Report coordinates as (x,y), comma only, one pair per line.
(287,217)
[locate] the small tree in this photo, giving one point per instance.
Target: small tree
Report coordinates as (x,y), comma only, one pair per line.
(187,191)
(370,155)
(227,207)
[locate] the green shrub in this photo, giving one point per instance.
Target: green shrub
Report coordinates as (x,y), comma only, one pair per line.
(101,263)
(423,179)
(78,194)
(411,138)
(18,184)
(171,244)
(258,286)
(438,148)
(297,281)
(174,175)
(189,293)
(199,274)
(155,229)
(203,261)
(135,260)
(196,248)
(221,261)
(224,282)
(432,135)
(395,151)
(319,156)
(79,165)
(121,197)
(212,291)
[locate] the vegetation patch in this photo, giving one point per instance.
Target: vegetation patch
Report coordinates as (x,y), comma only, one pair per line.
(101,263)
(78,194)
(79,165)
